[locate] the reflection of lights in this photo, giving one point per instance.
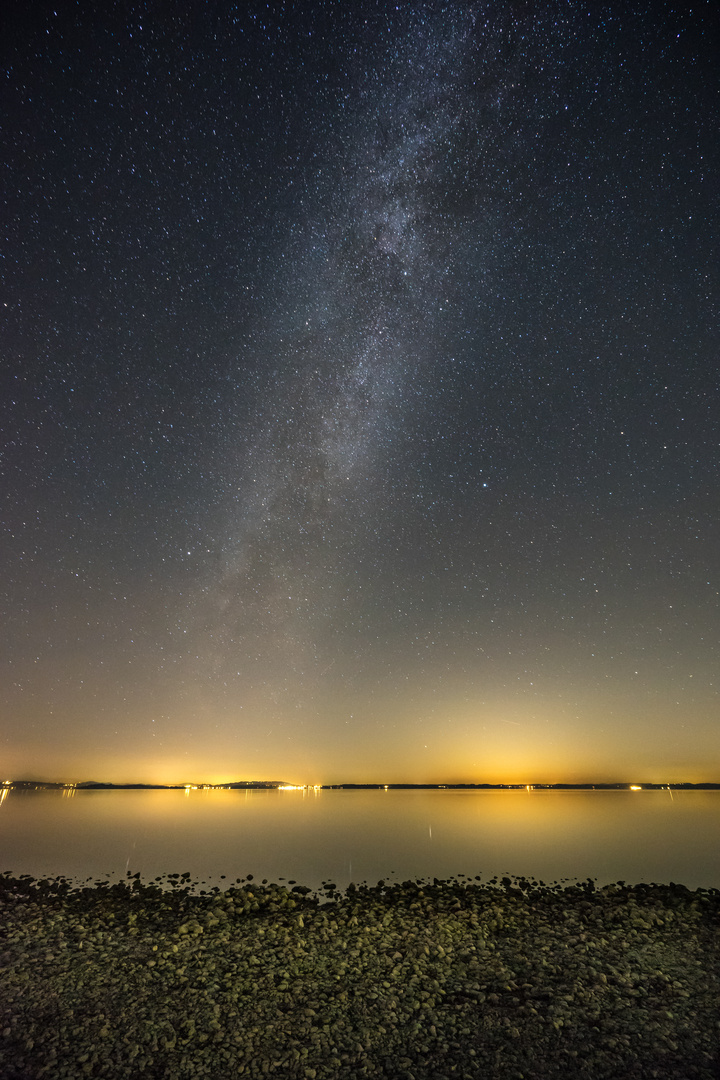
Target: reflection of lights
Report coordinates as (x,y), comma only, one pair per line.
(3,794)
(299,787)
(635,787)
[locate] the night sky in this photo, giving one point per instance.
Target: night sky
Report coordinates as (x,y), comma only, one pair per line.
(360,402)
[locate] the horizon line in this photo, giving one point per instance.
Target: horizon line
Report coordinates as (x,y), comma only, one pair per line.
(370,784)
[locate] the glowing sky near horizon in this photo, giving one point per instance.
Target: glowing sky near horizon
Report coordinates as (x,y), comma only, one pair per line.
(360,414)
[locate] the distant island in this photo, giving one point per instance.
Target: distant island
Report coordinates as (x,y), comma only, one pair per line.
(282,785)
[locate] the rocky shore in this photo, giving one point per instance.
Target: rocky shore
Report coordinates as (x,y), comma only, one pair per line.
(508,979)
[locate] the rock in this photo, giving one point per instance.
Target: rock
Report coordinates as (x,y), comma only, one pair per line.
(393,980)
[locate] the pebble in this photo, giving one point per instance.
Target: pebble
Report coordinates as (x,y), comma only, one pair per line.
(420,979)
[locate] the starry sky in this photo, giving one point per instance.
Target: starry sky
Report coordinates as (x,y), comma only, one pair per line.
(360,392)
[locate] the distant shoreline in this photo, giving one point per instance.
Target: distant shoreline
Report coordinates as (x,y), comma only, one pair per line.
(272,785)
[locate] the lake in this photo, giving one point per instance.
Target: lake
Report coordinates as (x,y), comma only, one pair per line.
(341,836)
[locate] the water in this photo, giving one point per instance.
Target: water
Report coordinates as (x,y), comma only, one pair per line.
(345,836)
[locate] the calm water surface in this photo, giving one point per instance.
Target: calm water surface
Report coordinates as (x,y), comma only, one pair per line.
(346,836)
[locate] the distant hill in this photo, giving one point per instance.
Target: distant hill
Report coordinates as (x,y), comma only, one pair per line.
(95,785)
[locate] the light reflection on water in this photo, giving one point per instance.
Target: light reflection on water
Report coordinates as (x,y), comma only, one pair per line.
(344,836)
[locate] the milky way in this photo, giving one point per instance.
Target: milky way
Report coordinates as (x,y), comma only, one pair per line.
(366,308)
(362,411)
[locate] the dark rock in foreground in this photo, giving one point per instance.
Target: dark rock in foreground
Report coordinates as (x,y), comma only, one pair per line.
(450,979)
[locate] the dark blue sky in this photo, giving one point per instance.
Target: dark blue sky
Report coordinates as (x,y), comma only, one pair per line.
(360,410)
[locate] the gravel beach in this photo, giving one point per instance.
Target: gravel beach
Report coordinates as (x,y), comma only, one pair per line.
(414,980)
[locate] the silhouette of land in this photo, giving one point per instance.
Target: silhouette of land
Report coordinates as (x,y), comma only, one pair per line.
(100,785)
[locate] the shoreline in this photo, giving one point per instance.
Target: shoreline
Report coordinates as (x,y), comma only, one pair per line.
(274,785)
(417,980)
